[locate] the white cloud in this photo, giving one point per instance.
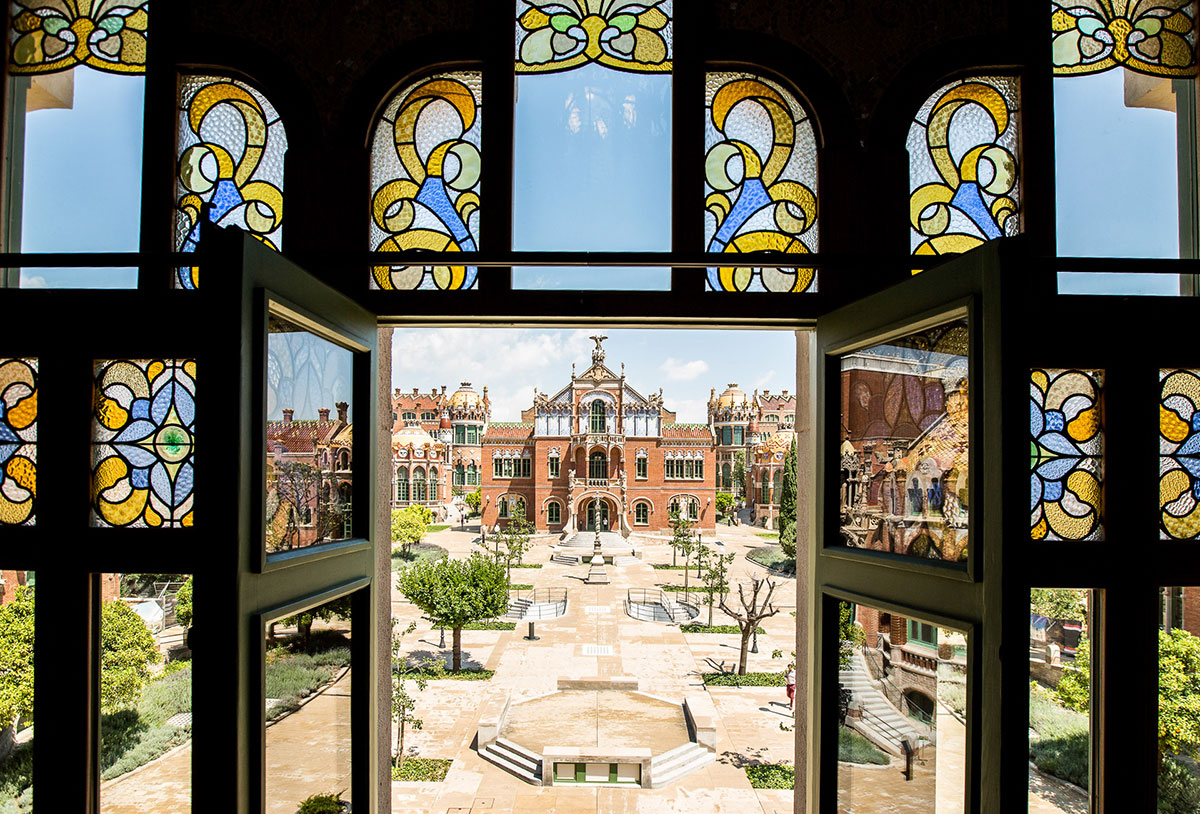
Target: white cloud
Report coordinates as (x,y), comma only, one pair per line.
(677,370)
(33,281)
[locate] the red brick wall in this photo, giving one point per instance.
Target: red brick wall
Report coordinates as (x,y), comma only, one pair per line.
(1191,610)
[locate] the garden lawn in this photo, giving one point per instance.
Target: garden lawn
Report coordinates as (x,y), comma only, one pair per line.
(435,529)
(748,680)
(417,552)
(430,770)
(133,737)
(854,748)
(715,629)
(1061,748)
(772,776)
(773,558)
(293,674)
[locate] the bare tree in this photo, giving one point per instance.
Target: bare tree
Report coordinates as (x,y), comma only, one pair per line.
(296,483)
(752,612)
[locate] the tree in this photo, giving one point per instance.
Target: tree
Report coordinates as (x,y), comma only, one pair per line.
(514,539)
(455,592)
(850,635)
(474,499)
(16,658)
(333,609)
(787,504)
(682,541)
(183,604)
(716,578)
(127,650)
(1059,603)
(408,526)
(752,612)
(724,502)
(403,701)
(739,471)
(295,484)
(1178,693)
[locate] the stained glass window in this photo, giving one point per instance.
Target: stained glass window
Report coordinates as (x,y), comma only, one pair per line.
(760,181)
(1066,445)
(425,166)
(628,35)
(18,440)
(56,35)
(1156,37)
(231,146)
(1179,454)
(143,443)
(963,173)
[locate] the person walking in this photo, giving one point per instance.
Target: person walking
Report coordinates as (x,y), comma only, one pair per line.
(791,687)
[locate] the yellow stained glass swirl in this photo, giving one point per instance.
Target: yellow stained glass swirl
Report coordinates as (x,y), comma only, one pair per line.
(1179,454)
(1156,37)
(1066,454)
(18,440)
(626,35)
(56,35)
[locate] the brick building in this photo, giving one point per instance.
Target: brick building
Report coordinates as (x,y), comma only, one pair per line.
(598,452)
(309,503)
(739,422)
(458,420)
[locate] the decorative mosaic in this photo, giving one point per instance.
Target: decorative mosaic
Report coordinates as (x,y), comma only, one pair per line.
(1066,443)
(626,35)
(56,35)
(18,440)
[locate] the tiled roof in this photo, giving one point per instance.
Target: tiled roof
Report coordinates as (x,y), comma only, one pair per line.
(686,431)
(508,429)
(298,436)
(420,401)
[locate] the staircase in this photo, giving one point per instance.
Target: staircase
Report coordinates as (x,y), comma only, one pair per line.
(679,762)
(517,609)
(514,759)
(621,559)
(587,539)
(887,724)
(565,559)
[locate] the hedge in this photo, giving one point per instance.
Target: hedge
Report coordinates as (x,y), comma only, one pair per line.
(716,629)
(748,680)
(772,776)
(427,769)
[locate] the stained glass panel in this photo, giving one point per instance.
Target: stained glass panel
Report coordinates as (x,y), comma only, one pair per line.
(626,35)
(760,181)
(1156,37)
(143,443)
(231,146)
(1066,445)
(905,450)
(964,179)
(425,167)
(1179,454)
(56,35)
(18,440)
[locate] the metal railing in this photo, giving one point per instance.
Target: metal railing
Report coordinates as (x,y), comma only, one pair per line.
(543,603)
(885,730)
(675,610)
(891,691)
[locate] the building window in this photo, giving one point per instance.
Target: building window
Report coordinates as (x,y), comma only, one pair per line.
(597,415)
(409,415)
(458,475)
(553,513)
(402,483)
(643,467)
(693,509)
(555,466)
(472,475)
(473,435)
(523,468)
(689,470)
(699,469)
(764,491)
(428,416)
(922,633)
(460,434)
(775,485)
(727,476)
(419,485)
(597,466)
(503,508)
(739,437)
(641,514)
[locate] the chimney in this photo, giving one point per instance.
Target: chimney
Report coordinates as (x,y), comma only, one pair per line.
(323,413)
(288,413)
(785,394)
(766,392)
(416,391)
(443,389)
(342,408)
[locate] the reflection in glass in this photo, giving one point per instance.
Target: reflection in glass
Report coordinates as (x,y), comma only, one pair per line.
(902,714)
(1178,700)
(145,693)
(16,689)
(1059,698)
(904,450)
(307,710)
(309,435)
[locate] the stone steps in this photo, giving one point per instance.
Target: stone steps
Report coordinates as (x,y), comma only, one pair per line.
(677,763)
(565,559)
(514,759)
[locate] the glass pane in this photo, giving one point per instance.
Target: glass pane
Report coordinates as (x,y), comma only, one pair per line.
(1178,697)
(902,725)
(904,454)
(1066,443)
(143,443)
(307,710)
(963,172)
(145,693)
(16,689)
(309,431)
(18,440)
(44,36)
(425,169)
(1179,454)
(1156,38)
(760,181)
(231,146)
(1059,699)
(555,36)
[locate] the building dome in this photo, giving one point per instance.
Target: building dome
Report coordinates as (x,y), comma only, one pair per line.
(779,442)
(412,434)
(465,398)
(731,397)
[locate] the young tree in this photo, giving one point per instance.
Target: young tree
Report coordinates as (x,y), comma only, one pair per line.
(455,592)
(514,540)
(1059,603)
(127,650)
(295,485)
(754,608)
(474,499)
(183,604)
(404,702)
(16,659)
(724,502)
(716,578)
(787,504)
(739,471)
(333,609)
(408,526)
(683,542)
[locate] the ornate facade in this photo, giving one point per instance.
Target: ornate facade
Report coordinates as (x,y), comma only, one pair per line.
(310,503)
(598,452)
(420,463)
(764,477)
(739,422)
(457,420)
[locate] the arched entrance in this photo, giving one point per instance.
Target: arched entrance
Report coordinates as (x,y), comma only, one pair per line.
(596,509)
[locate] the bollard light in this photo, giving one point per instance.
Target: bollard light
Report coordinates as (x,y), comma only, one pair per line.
(531,637)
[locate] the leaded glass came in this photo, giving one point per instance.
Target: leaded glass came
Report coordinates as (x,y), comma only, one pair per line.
(18,440)
(1156,37)
(56,35)
(1066,442)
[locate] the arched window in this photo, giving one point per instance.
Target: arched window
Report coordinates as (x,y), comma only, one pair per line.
(419,484)
(643,466)
(597,466)
(458,475)
(231,145)
(963,173)
(553,513)
(775,484)
(764,491)
(727,476)
(760,181)
(502,508)
(434,482)
(344,493)
(402,483)
(597,412)
(641,514)
(425,168)
(693,509)
(472,474)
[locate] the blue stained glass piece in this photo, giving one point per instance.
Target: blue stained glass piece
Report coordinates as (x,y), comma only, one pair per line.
(1036,421)
(1192,465)
(1056,468)
(183,482)
(135,431)
(163,400)
(1196,420)
(7,451)
(1196,490)
(6,434)
(1057,442)
(226,198)
(140,408)
(433,195)
(1191,446)
(1035,491)
(1055,421)
(160,482)
(185,405)
(136,456)
(752,198)
(1054,490)
(140,478)
(968,199)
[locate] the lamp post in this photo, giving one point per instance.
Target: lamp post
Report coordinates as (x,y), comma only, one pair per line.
(754,641)
(442,637)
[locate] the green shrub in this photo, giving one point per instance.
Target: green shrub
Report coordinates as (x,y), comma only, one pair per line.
(167,695)
(291,677)
(128,741)
(16,657)
(1064,757)
(715,629)
(1178,788)
(465,674)
(519,586)
(668,567)
(429,770)
(16,775)
(694,589)
(127,650)
(417,552)
(525,565)
(487,624)
(1074,686)
(774,558)
(787,540)
(183,604)
(771,776)
(748,680)
(322,804)
(854,748)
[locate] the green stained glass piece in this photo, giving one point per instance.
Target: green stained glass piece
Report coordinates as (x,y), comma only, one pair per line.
(624,22)
(562,22)
(53,25)
(112,24)
(1090,25)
